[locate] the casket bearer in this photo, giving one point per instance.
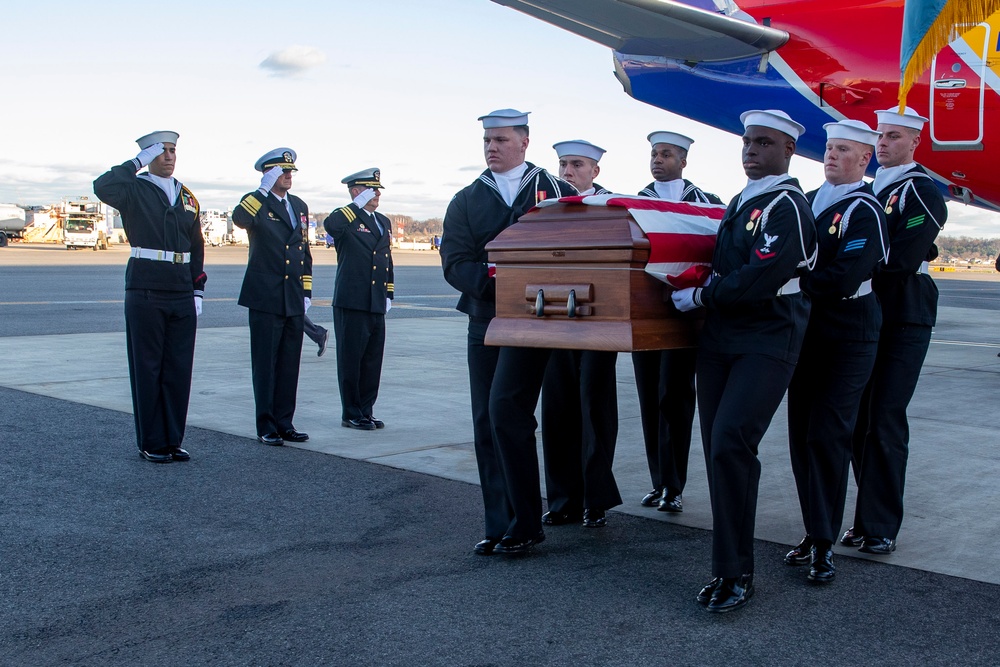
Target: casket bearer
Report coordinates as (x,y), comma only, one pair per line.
(839,348)
(580,399)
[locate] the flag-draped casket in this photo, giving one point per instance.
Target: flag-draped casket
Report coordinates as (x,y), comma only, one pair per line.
(596,273)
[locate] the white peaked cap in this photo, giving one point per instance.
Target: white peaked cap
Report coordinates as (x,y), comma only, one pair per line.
(504,118)
(671,138)
(579,147)
(853,130)
(158,137)
(279,157)
(909,118)
(774,119)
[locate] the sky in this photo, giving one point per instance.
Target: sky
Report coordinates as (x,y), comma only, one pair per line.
(395,84)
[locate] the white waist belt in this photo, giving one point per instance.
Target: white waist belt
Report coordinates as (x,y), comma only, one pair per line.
(162,255)
(924,268)
(864,290)
(791,287)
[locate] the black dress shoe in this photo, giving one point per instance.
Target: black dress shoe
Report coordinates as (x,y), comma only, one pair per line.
(672,504)
(514,546)
(880,546)
(322,343)
(705,594)
(359,424)
(851,539)
(732,593)
(378,422)
(272,439)
(651,498)
(594,519)
(291,435)
(156,457)
(485,547)
(178,454)
(821,569)
(802,554)
(560,518)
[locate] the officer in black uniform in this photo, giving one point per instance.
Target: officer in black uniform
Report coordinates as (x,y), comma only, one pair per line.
(580,398)
(362,295)
(164,286)
(838,352)
(276,289)
(494,201)
(755,321)
(915,212)
(664,379)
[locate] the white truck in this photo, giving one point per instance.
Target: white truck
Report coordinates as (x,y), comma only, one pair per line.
(84,224)
(11,222)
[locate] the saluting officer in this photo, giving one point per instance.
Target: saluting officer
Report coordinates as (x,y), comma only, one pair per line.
(362,295)
(580,398)
(276,289)
(664,379)
(754,325)
(494,201)
(915,212)
(839,348)
(164,286)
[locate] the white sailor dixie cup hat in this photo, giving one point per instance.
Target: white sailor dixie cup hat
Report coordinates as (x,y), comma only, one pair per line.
(774,119)
(672,138)
(579,147)
(279,157)
(158,137)
(368,178)
(504,118)
(852,130)
(909,118)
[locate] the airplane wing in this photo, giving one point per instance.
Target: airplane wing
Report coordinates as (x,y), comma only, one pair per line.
(656,28)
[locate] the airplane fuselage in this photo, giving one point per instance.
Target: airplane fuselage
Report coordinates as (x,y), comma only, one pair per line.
(842,61)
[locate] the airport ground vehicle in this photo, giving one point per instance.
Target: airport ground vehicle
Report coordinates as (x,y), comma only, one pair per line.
(84,225)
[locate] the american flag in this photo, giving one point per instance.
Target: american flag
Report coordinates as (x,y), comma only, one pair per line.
(681,234)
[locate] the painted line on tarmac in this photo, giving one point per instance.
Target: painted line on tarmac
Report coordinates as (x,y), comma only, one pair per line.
(965,343)
(78,303)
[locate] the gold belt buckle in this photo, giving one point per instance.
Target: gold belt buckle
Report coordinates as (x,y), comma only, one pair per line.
(178,258)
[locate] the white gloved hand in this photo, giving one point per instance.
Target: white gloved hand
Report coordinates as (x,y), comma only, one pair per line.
(148,154)
(388,304)
(308,302)
(686,299)
(708,280)
(364,197)
(197,306)
(269,178)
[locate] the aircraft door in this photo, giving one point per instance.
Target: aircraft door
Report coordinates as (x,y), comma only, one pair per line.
(957,91)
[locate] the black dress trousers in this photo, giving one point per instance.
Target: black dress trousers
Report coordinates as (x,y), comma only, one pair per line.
(160,330)
(275,352)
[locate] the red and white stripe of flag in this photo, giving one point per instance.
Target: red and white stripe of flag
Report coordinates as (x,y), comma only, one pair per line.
(681,234)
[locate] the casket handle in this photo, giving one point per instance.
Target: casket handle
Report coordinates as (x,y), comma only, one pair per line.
(540,303)
(571,304)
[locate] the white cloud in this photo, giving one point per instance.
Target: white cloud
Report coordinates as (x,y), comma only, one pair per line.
(293,60)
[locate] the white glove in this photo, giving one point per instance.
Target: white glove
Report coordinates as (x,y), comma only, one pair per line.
(708,280)
(308,302)
(269,178)
(388,304)
(197,306)
(148,154)
(686,299)
(364,197)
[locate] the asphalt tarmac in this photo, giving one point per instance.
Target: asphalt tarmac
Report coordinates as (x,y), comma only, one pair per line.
(250,555)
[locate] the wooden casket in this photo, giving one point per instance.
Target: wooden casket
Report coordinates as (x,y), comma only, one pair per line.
(572,276)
